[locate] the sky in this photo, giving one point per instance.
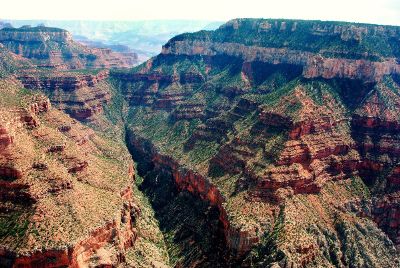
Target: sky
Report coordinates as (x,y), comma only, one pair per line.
(368,11)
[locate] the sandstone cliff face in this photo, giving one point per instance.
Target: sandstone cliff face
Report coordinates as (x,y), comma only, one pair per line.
(80,95)
(54,48)
(67,82)
(67,195)
(317,138)
(269,122)
(314,65)
(375,128)
(42,58)
(322,49)
(38,34)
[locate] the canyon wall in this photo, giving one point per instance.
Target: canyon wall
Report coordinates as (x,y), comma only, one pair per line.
(288,129)
(80,95)
(238,241)
(55,49)
(53,186)
(314,65)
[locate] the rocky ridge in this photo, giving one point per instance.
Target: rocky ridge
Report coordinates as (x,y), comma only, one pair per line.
(68,193)
(51,54)
(54,48)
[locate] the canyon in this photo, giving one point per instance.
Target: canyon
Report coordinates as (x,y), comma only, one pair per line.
(264,143)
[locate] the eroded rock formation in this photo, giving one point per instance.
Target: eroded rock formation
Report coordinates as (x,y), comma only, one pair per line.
(54,48)
(80,95)
(52,196)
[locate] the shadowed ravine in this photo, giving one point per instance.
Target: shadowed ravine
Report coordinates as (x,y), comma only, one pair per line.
(192,231)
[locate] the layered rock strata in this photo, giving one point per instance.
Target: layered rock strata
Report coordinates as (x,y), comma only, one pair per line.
(57,211)
(80,95)
(54,48)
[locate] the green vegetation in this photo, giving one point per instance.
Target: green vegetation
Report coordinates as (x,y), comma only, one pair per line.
(388,92)
(225,122)
(358,187)
(14,225)
(267,251)
(8,65)
(14,96)
(178,139)
(115,109)
(354,41)
(190,226)
(91,57)
(168,135)
(150,244)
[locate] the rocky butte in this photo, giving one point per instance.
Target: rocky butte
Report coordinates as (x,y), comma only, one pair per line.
(264,143)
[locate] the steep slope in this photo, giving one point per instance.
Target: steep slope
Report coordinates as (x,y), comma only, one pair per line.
(82,94)
(11,63)
(262,118)
(265,142)
(67,196)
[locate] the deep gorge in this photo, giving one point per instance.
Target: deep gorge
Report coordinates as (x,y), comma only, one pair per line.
(192,227)
(264,142)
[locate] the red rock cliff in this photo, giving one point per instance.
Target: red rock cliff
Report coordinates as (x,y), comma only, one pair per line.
(51,179)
